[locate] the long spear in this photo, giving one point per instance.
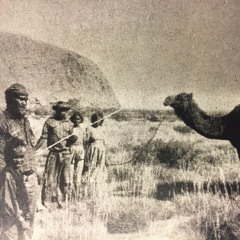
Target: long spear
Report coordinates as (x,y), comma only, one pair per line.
(61,140)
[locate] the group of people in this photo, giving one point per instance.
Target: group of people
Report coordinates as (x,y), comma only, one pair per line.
(74,153)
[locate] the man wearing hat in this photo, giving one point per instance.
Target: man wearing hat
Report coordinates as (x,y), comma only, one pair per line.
(57,176)
(15,130)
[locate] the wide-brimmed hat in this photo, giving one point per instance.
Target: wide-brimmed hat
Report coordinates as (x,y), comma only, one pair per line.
(61,106)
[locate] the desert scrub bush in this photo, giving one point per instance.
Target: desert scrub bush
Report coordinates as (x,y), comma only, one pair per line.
(129,215)
(126,222)
(144,153)
(120,116)
(121,173)
(174,153)
(220,219)
(215,216)
(132,180)
(41,112)
(169,116)
(184,155)
(183,129)
(214,156)
(153,118)
(77,221)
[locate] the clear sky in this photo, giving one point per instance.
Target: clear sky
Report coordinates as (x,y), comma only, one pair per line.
(147,49)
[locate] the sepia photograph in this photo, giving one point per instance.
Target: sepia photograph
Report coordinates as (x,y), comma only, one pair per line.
(119,119)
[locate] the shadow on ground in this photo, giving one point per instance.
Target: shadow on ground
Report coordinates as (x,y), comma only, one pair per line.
(166,191)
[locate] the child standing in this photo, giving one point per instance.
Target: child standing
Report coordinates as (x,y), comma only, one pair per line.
(95,146)
(77,150)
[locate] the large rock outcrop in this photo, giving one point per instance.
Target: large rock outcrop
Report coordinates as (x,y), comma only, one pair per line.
(51,73)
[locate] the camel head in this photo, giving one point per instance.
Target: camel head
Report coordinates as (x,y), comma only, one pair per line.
(178,102)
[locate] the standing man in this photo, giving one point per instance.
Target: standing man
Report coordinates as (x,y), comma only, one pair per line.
(15,130)
(57,175)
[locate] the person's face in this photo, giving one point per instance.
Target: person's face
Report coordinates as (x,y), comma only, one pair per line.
(61,114)
(19,104)
(17,162)
(77,121)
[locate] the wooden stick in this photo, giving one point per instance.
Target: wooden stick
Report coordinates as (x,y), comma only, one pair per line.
(54,144)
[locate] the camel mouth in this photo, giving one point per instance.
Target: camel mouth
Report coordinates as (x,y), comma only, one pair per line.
(168,101)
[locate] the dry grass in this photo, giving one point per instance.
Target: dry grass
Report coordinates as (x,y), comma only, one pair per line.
(125,205)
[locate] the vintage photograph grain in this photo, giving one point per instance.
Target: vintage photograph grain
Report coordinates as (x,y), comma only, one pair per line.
(119,120)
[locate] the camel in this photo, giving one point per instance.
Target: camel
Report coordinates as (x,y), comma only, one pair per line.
(226,127)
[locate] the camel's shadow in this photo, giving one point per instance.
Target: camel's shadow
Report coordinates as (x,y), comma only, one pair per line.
(166,191)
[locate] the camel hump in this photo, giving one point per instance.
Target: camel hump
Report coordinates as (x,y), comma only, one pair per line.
(235,112)
(237,108)
(232,118)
